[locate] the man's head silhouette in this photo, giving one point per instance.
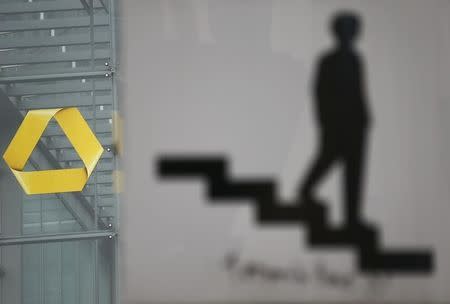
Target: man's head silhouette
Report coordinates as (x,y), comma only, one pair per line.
(345,26)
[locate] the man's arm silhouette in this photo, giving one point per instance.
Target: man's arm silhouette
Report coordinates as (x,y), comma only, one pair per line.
(321,87)
(367,116)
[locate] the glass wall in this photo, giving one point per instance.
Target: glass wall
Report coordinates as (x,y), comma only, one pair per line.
(67,272)
(59,248)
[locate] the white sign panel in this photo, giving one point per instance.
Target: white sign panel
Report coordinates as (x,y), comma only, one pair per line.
(286,151)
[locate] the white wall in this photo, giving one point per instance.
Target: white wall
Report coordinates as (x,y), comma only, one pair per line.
(233,77)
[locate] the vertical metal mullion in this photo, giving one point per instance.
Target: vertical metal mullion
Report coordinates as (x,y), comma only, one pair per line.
(77,272)
(94,108)
(91,32)
(1,250)
(41,219)
(43,273)
(95,292)
(22,276)
(115,296)
(115,272)
(41,247)
(96,276)
(1,281)
(60,258)
(21,249)
(94,120)
(61,274)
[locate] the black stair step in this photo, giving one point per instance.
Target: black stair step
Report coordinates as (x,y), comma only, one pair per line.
(410,261)
(313,215)
(362,238)
(257,190)
(173,167)
(267,213)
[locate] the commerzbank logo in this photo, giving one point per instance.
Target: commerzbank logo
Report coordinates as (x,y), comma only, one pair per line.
(27,137)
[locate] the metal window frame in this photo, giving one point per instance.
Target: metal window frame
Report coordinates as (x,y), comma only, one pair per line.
(111,234)
(58,237)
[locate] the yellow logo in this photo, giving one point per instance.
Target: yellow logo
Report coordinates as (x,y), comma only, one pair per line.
(60,180)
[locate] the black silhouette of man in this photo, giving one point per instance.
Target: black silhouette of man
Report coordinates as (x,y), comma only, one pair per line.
(343,116)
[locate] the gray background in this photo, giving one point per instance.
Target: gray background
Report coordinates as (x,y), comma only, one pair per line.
(233,77)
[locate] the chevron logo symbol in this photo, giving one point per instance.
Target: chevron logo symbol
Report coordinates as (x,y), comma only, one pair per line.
(59,180)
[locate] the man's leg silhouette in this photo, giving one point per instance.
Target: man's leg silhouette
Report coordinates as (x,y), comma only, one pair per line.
(353,181)
(327,154)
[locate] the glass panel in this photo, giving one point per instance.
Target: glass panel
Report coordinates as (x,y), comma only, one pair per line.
(66,272)
(47,37)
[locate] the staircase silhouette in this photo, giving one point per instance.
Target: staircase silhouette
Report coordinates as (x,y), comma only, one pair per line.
(371,258)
